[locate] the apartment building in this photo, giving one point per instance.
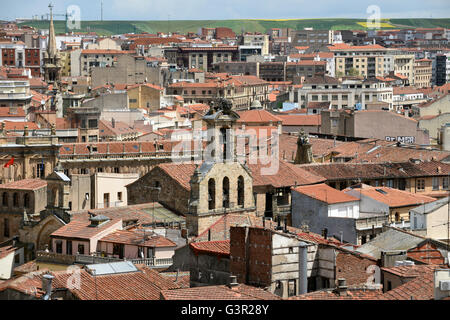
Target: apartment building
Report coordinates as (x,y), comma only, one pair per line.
(442,69)
(313,38)
(348,93)
(422,73)
(82,61)
(16,54)
(401,64)
(367,60)
(256,40)
(15,93)
(203,57)
(240,90)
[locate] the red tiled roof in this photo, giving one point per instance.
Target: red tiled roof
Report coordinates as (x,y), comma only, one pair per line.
(324,193)
(81,229)
(345,46)
(30,284)
(25,184)
(105,51)
(409,271)
(20,125)
(349,294)
(393,197)
(420,288)
(8,112)
(220,292)
(136,238)
(219,248)
(145,284)
(301,120)
(259,116)
(307,63)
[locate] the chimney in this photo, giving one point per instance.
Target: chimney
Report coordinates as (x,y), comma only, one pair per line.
(325,233)
(342,287)
(113,123)
(47,286)
(233,282)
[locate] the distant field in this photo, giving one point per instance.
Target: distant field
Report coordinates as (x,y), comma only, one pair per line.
(381,25)
(248,25)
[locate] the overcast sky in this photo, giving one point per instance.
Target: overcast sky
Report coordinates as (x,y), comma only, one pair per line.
(228,9)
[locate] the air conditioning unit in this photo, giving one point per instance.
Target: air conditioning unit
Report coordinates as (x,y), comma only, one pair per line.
(444,285)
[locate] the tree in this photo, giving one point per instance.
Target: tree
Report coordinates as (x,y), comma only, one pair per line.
(353,72)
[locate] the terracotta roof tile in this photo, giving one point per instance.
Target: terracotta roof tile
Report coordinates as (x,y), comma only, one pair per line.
(220,248)
(392,197)
(258,116)
(349,294)
(145,284)
(420,288)
(25,184)
(82,229)
(135,237)
(325,193)
(300,120)
(220,292)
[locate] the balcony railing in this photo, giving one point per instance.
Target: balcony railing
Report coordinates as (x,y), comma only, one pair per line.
(66,259)
(153,262)
(367,223)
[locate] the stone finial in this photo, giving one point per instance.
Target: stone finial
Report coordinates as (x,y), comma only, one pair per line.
(53,129)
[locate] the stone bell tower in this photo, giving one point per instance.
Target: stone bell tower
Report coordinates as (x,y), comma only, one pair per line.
(304,151)
(52,60)
(221,184)
(58,193)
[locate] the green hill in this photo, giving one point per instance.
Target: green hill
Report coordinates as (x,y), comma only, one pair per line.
(249,25)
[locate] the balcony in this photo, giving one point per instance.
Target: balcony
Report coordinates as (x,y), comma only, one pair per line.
(51,257)
(366,223)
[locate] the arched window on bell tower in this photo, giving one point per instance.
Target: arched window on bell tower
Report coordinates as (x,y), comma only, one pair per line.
(211,194)
(226,192)
(224,141)
(240,191)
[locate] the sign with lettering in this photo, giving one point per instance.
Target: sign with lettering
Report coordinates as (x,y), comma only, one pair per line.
(402,139)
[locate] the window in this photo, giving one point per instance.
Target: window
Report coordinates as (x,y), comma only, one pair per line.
(26,200)
(292,287)
(435,183)
(240,191)
(40,170)
(421,184)
(116,170)
(5,199)
(119,196)
(211,194)
(93,123)
(226,192)
(6,228)
(106,200)
(445,183)
(81,249)
(59,246)
(15,199)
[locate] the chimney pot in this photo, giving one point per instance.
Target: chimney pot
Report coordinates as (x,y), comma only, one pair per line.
(47,285)
(233,282)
